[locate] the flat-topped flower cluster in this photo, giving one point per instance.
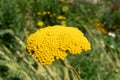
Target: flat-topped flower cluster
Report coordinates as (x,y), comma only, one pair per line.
(52,42)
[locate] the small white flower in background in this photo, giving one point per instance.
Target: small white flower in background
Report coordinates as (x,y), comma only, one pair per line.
(112,34)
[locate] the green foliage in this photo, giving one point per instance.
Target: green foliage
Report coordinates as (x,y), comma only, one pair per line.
(116,17)
(18,19)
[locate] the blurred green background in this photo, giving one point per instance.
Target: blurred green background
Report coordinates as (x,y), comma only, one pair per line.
(99,20)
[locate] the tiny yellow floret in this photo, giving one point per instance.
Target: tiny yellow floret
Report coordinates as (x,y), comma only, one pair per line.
(53,42)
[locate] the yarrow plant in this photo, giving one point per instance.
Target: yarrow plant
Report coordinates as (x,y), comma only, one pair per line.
(51,43)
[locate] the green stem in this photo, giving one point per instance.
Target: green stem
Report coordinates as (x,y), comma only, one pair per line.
(75,72)
(72,69)
(26,61)
(5,56)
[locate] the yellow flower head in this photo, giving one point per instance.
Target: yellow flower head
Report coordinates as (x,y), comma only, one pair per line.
(65,8)
(44,13)
(61,0)
(52,42)
(60,17)
(100,27)
(48,12)
(63,23)
(38,13)
(40,23)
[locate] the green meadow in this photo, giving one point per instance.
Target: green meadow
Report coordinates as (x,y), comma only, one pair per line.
(99,20)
